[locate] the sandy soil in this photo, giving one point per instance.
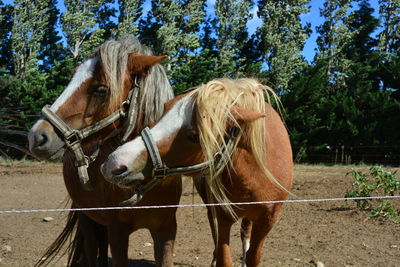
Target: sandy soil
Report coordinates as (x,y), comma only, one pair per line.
(333,233)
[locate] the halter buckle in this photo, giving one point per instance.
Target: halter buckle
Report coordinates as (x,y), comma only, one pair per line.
(72,139)
(160,172)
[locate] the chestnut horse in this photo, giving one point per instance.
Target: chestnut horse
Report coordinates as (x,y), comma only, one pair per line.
(226,124)
(117,72)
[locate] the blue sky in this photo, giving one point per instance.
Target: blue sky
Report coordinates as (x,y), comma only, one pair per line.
(313,17)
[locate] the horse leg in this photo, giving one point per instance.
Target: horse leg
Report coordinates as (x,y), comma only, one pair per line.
(118,236)
(261,228)
(245,235)
(201,189)
(88,230)
(103,246)
(223,254)
(164,240)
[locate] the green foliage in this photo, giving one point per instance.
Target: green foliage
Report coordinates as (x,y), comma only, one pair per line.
(51,49)
(377,183)
(129,13)
(281,39)
(6,21)
(389,38)
(231,19)
(29,23)
(172,28)
(334,37)
(339,107)
(80,26)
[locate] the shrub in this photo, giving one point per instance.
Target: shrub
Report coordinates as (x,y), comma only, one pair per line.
(378,182)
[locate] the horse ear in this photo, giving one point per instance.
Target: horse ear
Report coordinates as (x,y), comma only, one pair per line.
(140,64)
(242,115)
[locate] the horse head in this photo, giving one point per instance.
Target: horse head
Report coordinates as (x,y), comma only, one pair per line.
(178,139)
(98,88)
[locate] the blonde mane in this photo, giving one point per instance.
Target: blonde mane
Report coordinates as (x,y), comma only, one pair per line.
(155,88)
(214,102)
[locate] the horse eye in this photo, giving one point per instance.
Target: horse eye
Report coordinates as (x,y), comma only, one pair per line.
(99,90)
(194,138)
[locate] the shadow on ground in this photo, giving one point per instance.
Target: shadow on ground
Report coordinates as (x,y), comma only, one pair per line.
(147,263)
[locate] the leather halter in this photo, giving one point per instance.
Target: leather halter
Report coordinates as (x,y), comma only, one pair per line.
(73,137)
(161,170)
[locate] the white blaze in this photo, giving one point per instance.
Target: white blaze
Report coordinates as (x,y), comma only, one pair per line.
(83,73)
(179,116)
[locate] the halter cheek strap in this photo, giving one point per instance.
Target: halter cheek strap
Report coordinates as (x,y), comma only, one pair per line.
(161,170)
(73,137)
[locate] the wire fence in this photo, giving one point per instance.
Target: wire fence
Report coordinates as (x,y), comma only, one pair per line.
(199,205)
(350,154)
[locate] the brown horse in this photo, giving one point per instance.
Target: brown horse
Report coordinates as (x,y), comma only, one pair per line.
(100,89)
(226,124)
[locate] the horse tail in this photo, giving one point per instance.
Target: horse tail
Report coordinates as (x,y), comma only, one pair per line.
(74,249)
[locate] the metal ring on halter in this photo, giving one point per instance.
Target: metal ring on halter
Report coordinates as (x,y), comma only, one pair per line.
(135,82)
(122,109)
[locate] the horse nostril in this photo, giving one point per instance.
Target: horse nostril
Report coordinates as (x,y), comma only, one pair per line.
(120,170)
(41,139)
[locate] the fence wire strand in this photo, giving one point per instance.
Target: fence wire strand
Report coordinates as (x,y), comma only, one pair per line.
(197,205)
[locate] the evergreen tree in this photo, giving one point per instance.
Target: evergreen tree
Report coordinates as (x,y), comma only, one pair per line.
(356,118)
(51,49)
(201,65)
(129,13)
(281,39)
(6,22)
(389,46)
(301,105)
(172,28)
(175,26)
(389,38)
(29,25)
(334,38)
(231,30)
(361,23)
(105,19)
(80,24)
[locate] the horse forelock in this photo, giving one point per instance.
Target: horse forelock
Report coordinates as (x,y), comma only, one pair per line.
(155,88)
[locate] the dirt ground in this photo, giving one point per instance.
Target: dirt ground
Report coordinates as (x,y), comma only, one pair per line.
(333,233)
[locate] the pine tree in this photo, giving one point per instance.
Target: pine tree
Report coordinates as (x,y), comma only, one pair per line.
(200,66)
(231,19)
(129,13)
(51,48)
(172,28)
(389,38)
(29,25)
(80,24)
(389,46)
(105,18)
(6,22)
(361,23)
(334,38)
(281,39)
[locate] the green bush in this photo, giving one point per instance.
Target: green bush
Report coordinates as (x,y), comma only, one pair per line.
(378,182)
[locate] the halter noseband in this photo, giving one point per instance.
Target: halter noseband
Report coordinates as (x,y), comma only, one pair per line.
(73,137)
(161,170)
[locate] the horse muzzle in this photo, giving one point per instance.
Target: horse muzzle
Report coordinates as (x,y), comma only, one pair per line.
(120,174)
(44,142)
